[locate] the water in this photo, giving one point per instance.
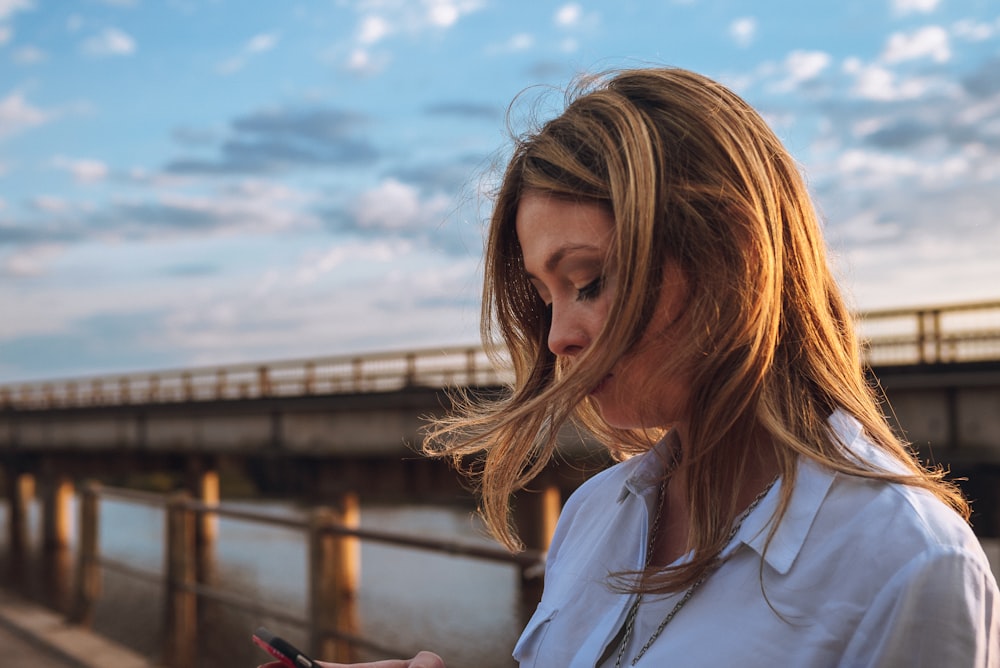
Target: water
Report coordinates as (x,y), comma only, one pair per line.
(464,609)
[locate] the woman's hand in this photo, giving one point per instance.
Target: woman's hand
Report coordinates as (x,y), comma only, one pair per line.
(421,660)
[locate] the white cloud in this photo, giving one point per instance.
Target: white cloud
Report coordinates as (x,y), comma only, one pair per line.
(903,7)
(110,42)
(383,18)
(568,15)
(49,203)
(522,41)
(9,7)
(16,115)
(355,251)
(373,29)
(262,42)
(445,13)
(28,55)
(394,205)
(928,42)
(800,67)
(30,261)
(743,30)
(875,169)
(973,31)
(875,82)
(5,34)
(363,61)
(84,171)
(257,44)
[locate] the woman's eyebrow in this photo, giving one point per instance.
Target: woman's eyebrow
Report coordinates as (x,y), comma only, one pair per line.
(559,254)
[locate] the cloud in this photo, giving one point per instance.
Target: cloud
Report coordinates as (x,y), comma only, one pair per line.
(801,67)
(17,115)
(521,41)
(974,31)
(30,261)
(5,34)
(568,15)
(876,82)
(109,42)
(470,110)
(255,45)
(287,138)
(10,7)
(743,30)
(381,251)
(251,207)
(373,29)
(248,207)
(84,171)
(29,55)
(927,42)
(394,206)
(903,7)
(381,19)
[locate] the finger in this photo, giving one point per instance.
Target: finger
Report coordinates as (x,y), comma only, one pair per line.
(421,660)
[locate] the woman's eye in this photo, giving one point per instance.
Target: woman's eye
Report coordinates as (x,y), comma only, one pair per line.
(590,290)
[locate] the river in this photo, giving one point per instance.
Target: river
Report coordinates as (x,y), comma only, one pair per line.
(464,609)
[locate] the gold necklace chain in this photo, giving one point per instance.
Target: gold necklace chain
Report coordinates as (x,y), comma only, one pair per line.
(634,610)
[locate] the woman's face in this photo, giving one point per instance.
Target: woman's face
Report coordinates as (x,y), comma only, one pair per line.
(565,251)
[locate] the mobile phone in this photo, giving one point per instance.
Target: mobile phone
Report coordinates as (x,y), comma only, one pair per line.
(282,650)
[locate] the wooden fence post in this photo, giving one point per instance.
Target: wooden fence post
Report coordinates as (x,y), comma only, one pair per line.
(88,568)
(334,573)
(182,602)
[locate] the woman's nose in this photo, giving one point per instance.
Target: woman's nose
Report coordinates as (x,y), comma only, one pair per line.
(567,336)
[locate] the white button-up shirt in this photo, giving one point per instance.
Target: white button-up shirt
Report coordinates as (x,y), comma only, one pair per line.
(859,573)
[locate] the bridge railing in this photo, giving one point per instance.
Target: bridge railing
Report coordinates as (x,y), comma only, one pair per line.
(930,335)
(378,372)
(953,333)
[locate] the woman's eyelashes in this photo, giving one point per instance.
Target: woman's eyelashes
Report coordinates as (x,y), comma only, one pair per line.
(590,290)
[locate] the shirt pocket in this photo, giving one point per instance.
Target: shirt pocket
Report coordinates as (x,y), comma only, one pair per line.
(526,649)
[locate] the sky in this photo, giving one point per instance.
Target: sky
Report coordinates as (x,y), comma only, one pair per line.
(204,182)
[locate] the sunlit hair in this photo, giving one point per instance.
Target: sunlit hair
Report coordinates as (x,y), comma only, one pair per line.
(691,174)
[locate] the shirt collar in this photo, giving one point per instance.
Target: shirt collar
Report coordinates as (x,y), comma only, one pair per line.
(811,487)
(812,484)
(649,468)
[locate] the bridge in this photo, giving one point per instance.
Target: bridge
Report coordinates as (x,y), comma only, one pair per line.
(319,427)
(340,430)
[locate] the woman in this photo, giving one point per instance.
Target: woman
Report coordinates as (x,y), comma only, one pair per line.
(656,272)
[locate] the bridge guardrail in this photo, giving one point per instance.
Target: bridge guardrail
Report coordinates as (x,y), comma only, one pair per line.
(967,332)
(332,538)
(937,334)
(377,372)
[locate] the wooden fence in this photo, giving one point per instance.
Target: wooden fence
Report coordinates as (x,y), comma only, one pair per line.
(333,539)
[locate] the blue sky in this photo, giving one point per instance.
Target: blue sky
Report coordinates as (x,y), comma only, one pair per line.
(199,182)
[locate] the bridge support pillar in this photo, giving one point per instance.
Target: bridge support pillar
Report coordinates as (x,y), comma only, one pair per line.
(20,489)
(535,516)
(203,484)
(57,496)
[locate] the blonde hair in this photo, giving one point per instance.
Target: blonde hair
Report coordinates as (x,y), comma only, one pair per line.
(691,175)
